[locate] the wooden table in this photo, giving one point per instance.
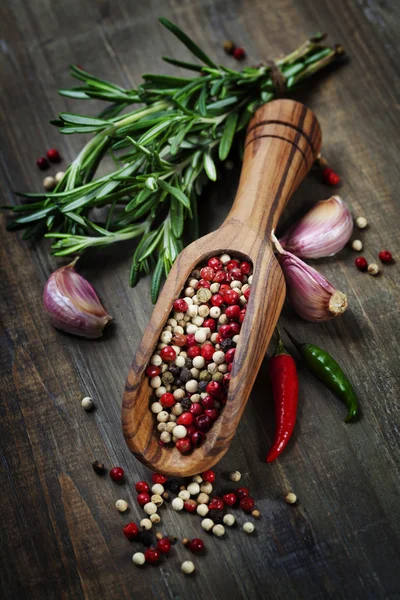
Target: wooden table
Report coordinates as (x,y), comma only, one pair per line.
(60,534)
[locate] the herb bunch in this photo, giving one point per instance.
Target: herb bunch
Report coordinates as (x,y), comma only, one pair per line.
(163,152)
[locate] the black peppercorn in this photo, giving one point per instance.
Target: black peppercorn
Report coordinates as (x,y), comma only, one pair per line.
(173,485)
(185,375)
(98,467)
(186,403)
(146,538)
(216,515)
(202,386)
(188,363)
(226,344)
(174,370)
(179,383)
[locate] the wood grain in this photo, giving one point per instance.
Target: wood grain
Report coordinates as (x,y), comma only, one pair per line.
(342,538)
(282,143)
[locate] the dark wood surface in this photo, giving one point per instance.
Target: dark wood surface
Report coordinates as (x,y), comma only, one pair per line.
(282,143)
(60,533)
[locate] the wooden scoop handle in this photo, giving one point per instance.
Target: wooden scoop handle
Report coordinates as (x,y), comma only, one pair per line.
(283,140)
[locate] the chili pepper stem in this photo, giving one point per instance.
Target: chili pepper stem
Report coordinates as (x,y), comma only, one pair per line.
(280,347)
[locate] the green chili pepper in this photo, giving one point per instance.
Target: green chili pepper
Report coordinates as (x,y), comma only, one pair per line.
(329,372)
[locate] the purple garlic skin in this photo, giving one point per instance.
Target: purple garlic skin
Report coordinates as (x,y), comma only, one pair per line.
(323,231)
(72,304)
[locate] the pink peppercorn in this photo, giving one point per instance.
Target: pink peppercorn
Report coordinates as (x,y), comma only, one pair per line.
(194,351)
(220,277)
(143,499)
(231,297)
(196,409)
(185,418)
(152,556)
(207,351)
(214,263)
(385,256)
(42,163)
(53,155)
(183,445)
(361,263)
(245,267)
(131,531)
(159,478)
(142,487)
(208,476)
(239,53)
(247,504)
(117,474)
(164,545)
(180,305)
(207,273)
(197,438)
(168,354)
(232,264)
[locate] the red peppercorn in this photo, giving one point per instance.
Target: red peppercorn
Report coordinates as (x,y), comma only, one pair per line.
(168,354)
(227,379)
(385,256)
(196,409)
(220,277)
(159,478)
(207,273)
(197,438)
(190,429)
(204,284)
(231,297)
(247,293)
(218,339)
(190,505)
(117,474)
(143,499)
(242,315)
(130,531)
(164,545)
(152,371)
(180,305)
(53,155)
(235,275)
(210,323)
(235,328)
(229,499)
(183,445)
(233,312)
(245,267)
(207,351)
(216,503)
(217,300)
(208,402)
(142,487)
(193,351)
(330,177)
(247,504)
(190,340)
(224,287)
(232,264)
(239,53)
(212,413)
(242,492)
(203,422)
(167,400)
(230,367)
(225,331)
(214,389)
(178,339)
(152,556)
(196,545)
(185,418)
(361,263)
(229,356)
(214,263)
(42,163)
(208,476)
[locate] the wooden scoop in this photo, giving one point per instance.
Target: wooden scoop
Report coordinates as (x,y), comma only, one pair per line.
(283,141)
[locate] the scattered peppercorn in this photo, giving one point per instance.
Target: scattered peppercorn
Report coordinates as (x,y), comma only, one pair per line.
(291,498)
(143,499)
(87,403)
(239,53)
(330,177)
(247,504)
(131,531)
(187,567)
(49,183)
(142,487)
(196,545)
(59,176)
(42,163)
(121,505)
(235,476)
(98,467)
(385,256)
(138,558)
(373,269)
(361,263)
(218,530)
(255,513)
(229,520)
(242,492)
(164,545)
(248,527)
(229,46)
(146,524)
(357,245)
(361,222)
(53,155)
(152,556)
(117,474)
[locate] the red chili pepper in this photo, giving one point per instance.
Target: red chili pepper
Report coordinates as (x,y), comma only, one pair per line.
(285,389)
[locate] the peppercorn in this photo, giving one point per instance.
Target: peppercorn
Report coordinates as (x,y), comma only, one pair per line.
(98,467)
(131,531)
(53,155)
(190,506)
(155,518)
(121,505)
(248,527)
(291,498)
(138,558)
(59,176)
(247,504)
(229,520)
(361,263)
(330,177)
(357,245)
(207,524)
(228,46)
(49,183)
(164,545)
(373,269)
(87,403)
(143,499)
(229,499)
(42,163)
(239,53)
(218,530)
(117,474)
(235,476)
(177,504)
(242,492)
(146,524)
(152,556)
(145,537)
(255,513)
(385,256)
(361,222)
(187,567)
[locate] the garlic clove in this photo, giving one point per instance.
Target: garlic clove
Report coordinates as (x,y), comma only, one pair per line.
(323,231)
(73,305)
(312,296)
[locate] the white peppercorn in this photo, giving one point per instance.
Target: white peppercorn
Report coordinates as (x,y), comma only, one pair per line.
(157,488)
(218,357)
(187,567)
(204,311)
(59,175)
(291,498)
(197,479)
(361,222)
(191,386)
(172,322)
(202,510)
(179,394)
(206,487)
(203,498)
(235,476)
(248,527)
(373,269)
(156,407)
(161,427)
(195,372)
(155,382)
(357,245)
(170,426)
(180,432)
(157,500)
(192,310)
(190,292)
(199,362)
(215,312)
(180,361)
(177,409)
(160,391)
(138,558)
(165,437)
(224,258)
(155,518)
(184,494)
(229,520)
(163,416)
(150,508)
(214,288)
(218,530)
(177,504)
(166,337)
(146,524)
(121,505)
(200,336)
(207,524)
(193,488)
(87,403)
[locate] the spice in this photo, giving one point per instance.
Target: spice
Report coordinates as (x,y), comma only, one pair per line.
(229,499)
(291,498)
(357,245)
(218,530)
(285,390)
(373,269)
(157,500)
(143,499)
(117,474)
(131,531)
(59,176)
(121,505)
(248,527)
(155,518)
(73,305)
(242,492)
(49,183)
(247,504)
(312,296)
(385,256)
(229,520)
(157,489)
(152,556)
(202,510)
(323,231)
(239,53)
(330,373)
(330,177)
(98,467)
(42,163)
(207,524)
(193,488)
(87,403)
(229,46)
(53,155)
(187,567)
(138,558)
(361,222)
(141,186)
(146,524)
(150,508)
(235,476)
(361,263)
(196,545)
(177,504)
(164,545)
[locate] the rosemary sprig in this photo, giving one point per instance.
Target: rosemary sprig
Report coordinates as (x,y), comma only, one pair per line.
(164,152)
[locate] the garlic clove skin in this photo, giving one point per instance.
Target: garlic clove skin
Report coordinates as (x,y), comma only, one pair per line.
(72,304)
(312,296)
(323,231)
